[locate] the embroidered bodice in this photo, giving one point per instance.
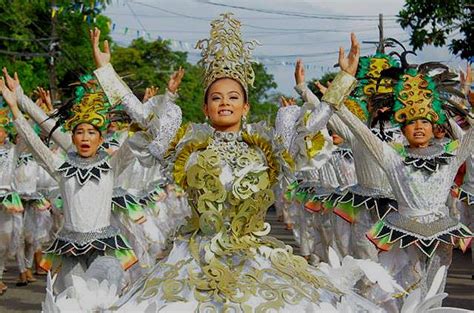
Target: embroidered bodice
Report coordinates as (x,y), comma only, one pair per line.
(420,178)
(85,184)
(228,179)
(86,187)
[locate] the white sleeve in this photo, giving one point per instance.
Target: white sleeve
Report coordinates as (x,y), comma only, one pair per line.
(40,151)
(39,116)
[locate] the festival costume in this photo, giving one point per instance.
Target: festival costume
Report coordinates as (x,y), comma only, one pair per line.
(86,186)
(369,199)
(36,220)
(464,194)
(222,257)
(11,207)
(421,233)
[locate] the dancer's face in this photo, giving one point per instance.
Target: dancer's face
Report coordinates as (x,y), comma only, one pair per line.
(87,140)
(418,133)
(3,135)
(113,127)
(439,132)
(336,139)
(226,105)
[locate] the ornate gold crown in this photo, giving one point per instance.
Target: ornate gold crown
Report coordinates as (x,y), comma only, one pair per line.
(225,54)
(416,98)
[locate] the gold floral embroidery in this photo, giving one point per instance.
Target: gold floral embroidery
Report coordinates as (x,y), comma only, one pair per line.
(227,231)
(314,144)
(179,173)
(266,148)
(177,138)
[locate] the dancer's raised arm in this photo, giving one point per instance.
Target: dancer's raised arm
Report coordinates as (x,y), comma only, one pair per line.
(159,114)
(36,113)
(41,152)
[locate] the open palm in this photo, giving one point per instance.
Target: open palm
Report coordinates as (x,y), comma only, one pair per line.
(7,94)
(101,58)
(350,62)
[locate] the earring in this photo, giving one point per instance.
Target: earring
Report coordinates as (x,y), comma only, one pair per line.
(244,121)
(207,119)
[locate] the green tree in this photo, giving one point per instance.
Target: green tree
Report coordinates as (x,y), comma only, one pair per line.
(262,105)
(145,63)
(26,41)
(325,79)
(436,22)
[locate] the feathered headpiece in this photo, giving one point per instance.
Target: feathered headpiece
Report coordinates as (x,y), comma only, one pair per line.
(89,105)
(421,92)
(119,116)
(370,84)
(225,54)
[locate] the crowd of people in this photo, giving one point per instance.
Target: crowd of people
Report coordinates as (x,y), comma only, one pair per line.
(375,180)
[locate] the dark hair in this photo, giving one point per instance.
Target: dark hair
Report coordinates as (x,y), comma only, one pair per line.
(95,127)
(206,94)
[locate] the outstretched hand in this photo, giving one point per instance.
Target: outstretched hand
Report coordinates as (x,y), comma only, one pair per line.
(100,58)
(150,92)
(12,83)
(321,87)
(286,102)
(45,99)
(299,72)
(349,64)
(9,96)
(175,80)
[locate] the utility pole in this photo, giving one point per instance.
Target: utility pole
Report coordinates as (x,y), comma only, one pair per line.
(381,42)
(381,47)
(52,54)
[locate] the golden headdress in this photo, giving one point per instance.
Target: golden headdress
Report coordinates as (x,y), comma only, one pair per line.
(419,95)
(90,105)
(225,54)
(91,109)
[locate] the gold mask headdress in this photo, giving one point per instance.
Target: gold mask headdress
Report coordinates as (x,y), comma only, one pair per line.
(92,109)
(225,54)
(89,106)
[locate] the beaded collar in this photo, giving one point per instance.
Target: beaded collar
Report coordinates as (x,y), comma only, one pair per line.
(428,159)
(85,169)
(227,136)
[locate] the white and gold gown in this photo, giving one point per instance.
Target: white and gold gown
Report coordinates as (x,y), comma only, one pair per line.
(222,257)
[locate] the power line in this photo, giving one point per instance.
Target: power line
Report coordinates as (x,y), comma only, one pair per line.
(305,15)
(136,17)
(24,54)
(210,17)
(25,39)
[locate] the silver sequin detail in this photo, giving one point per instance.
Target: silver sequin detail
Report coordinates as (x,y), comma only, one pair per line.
(84,238)
(85,163)
(421,230)
(285,123)
(427,153)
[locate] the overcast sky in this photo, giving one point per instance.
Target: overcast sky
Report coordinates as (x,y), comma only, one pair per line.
(311,29)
